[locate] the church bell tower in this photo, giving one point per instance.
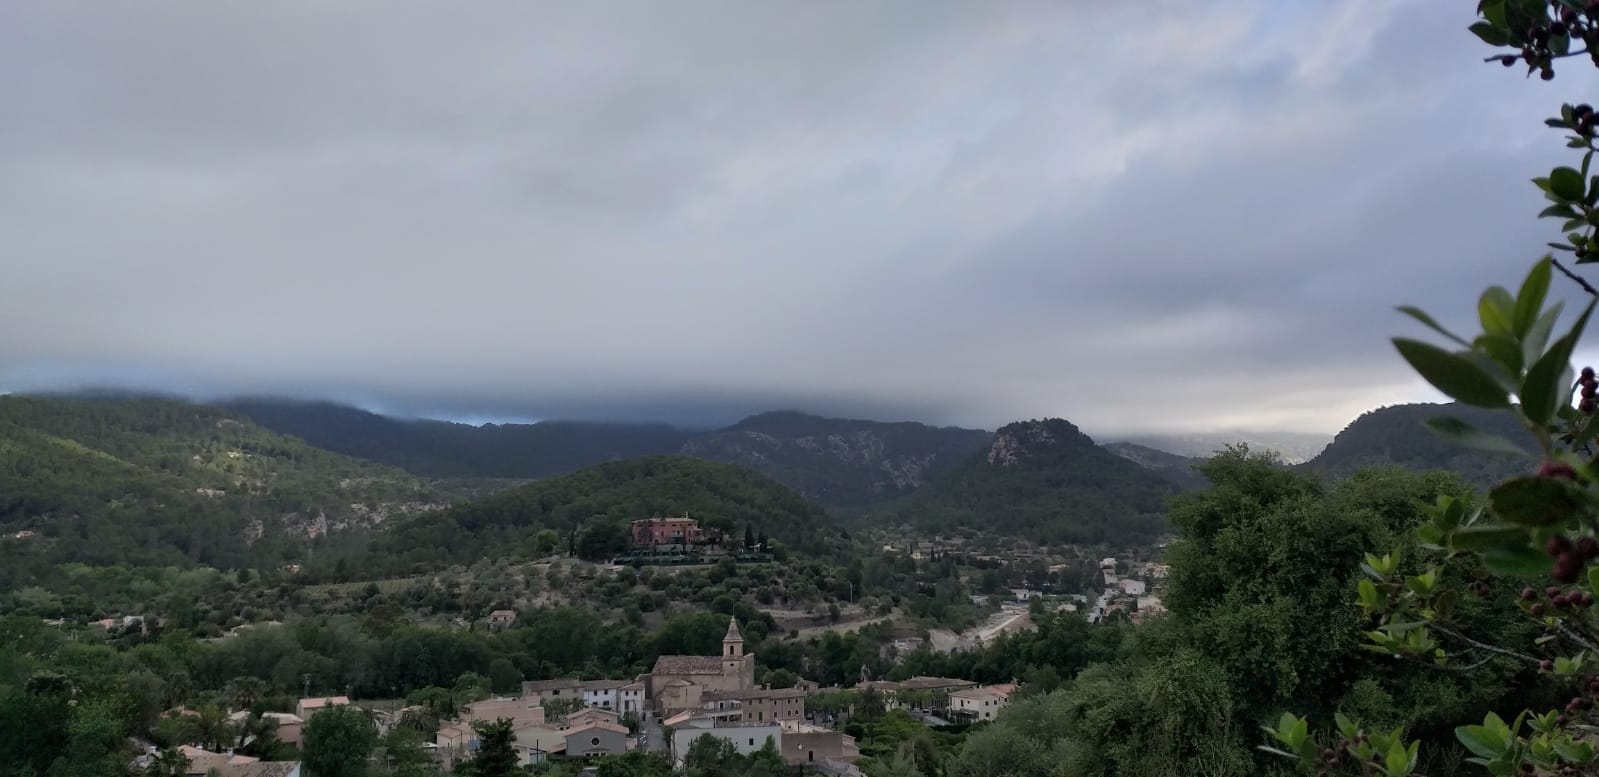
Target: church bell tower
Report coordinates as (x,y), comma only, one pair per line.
(733,643)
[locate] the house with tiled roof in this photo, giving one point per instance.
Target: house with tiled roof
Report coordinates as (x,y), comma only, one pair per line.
(596,738)
(982,703)
(758,705)
(261,769)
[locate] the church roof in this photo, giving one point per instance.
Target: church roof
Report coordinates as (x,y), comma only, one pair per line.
(732,631)
(670,665)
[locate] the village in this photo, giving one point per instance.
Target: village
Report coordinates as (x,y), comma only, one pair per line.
(685,697)
(682,699)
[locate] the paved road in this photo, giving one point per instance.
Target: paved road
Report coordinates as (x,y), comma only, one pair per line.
(654,736)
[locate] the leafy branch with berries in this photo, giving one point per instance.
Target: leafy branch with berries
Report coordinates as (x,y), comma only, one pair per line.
(1539,527)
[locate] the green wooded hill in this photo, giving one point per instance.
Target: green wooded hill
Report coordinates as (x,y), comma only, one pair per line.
(840,462)
(593,507)
(157,482)
(1180,471)
(443,449)
(1395,436)
(1047,481)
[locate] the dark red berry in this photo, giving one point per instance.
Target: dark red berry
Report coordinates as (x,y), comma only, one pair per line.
(1552,591)
(1587,406)
(1559,601)
(1567,568)
(1508,60)
(1584,110)
(1536,610)
(1557,469)
(1547,74)
(1556,545)
(1558,28)
(1588,547)
(1527,594)
(1546,665)
(1562,720)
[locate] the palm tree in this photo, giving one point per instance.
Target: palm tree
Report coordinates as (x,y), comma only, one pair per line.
(418,718)
(242,693)
(213,727)
(170,763)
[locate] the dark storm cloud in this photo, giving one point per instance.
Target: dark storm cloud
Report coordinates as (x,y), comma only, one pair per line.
(1164,214)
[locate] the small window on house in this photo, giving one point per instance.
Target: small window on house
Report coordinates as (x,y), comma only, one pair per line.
(752,741)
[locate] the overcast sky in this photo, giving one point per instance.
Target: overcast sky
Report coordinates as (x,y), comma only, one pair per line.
(1150,215)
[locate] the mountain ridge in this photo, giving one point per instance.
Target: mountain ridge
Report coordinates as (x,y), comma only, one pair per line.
(1047,481)
(1394,435)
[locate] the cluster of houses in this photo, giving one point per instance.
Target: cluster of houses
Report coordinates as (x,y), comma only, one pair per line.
(665,710)
(1136,593)
(962,700)
(682,698)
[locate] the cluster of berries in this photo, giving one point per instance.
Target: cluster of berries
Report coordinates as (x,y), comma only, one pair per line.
(1569,559)
(1589,384)
(1330,760)
(1559,601)
(1582,702)
(1569,24)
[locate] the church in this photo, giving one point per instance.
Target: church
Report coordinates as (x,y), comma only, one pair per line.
(678,682)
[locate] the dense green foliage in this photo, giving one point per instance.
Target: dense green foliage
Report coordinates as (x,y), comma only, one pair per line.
(1395,436)
(452,450)
(162,482)
(838,462)
(835,462)
(590,510)
(339,742)
(1260,619)
(1046,481)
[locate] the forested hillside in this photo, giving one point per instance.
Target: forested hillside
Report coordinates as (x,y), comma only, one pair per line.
(153,482)
(452,450)
(1046,481)
(1396,436)
(833,461)
(1180,471)
(592,507)
(840,462)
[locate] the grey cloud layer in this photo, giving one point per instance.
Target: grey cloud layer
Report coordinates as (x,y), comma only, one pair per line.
(1167,214)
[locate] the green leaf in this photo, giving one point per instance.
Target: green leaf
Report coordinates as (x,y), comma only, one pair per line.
(1368,594)
(1396,762)
(1593,580)
(1490,34)
(1530,500)
(1533,342)
(1494,12)
(1529,301)
(1559,45)
(1576,752)
(1453,374)
(1517,560)
(1497,309)
(1559,210)
(1542,389)
(1566,183)
(1503,350)
(1348,728)
(1480,741)
(1421,316)
(1462,433)
(1481,537)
